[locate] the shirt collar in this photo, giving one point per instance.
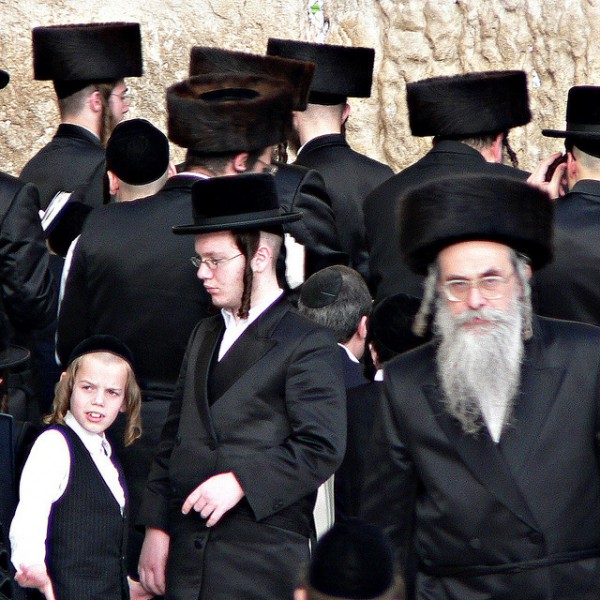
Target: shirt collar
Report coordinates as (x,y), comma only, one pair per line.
(254,312)
(94,442)
(350,355)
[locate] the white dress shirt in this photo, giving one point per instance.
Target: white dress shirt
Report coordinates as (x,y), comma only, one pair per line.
(44,480)
(234,326)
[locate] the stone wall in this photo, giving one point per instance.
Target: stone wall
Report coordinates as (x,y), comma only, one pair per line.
(552,40)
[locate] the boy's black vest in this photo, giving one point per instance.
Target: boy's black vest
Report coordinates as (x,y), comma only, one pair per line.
(85,548)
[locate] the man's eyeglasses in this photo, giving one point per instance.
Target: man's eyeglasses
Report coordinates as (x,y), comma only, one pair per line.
(212,263)
(491,287)
(124,96)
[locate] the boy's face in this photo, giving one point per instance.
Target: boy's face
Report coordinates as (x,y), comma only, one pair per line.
(99,391)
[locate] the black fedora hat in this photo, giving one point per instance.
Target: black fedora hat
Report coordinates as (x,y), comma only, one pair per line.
(4,79)
(583,115)
(236,203)
(482,206)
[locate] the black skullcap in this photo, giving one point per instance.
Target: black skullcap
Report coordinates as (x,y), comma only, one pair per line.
(137,152)
(352,560)
(321,289)
(102,343)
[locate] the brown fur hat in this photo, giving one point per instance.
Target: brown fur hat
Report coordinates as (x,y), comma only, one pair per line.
(460,208)
(227,113)
(468,105)
(297,73)
(90,52)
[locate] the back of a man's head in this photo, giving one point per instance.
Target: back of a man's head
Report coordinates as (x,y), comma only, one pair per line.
(337,298)
(353,560)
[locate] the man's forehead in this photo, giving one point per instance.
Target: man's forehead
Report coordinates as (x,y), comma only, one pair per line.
(215,241)
(474,258)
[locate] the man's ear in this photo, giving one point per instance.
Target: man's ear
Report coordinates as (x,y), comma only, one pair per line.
(262,258)
(172,170)
(528,272)
(95,101)
(346,113)
(239,162)
(113,183)
(362,327)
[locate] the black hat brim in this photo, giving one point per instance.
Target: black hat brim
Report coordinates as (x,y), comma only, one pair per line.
(13,356)
(237,224)
(576,135)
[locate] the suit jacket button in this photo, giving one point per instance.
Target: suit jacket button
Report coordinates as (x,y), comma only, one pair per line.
(198,544)
(536,538)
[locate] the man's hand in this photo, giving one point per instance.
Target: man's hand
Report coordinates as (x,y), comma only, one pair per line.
(556,186)
(137,590)
(35,576)
(213,498)
(153,561)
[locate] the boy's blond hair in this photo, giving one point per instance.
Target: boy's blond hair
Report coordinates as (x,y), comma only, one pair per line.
(133,396)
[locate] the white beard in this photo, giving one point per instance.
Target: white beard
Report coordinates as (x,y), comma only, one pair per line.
(480,369)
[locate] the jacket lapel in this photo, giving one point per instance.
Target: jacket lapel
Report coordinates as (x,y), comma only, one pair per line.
(482,457)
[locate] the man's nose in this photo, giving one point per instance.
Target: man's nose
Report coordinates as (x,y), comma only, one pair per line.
(474,298)
(204,272)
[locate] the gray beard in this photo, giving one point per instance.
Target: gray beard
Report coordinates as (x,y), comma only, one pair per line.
(479,370)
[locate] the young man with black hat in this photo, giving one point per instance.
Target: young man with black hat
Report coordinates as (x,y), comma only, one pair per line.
(484,468)
(130,276)
(341,72)
(87,65)
(569,287)
(469,117)
(258,419)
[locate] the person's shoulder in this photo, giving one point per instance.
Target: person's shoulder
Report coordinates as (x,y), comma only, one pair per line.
(413,363)
(560,331)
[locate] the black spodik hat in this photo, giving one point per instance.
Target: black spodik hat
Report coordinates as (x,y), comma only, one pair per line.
(229,113)
(583,115)
(352,560)
(236,203)
(488,207)
(75,55)
(4,79)
(468,105)
(341,71)
(296,73)
(137,152)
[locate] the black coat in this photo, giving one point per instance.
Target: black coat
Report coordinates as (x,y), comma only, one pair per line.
(277,420)
(389,274)
(73,161)
(349,178)
(29,293)
(475,505)
(569,287)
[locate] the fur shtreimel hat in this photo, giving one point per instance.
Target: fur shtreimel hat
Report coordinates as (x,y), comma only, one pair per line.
(468,105)
(4,79)
(137,152)
(583,115)
(460,208)
(352,560)
(75,55)
(236,203)
(229,113)
(341,71)
(297,73)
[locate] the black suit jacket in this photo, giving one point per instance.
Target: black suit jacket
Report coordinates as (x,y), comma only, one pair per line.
(349,177)
(569,287)
(389,274)
(476,504)
(73,161)
(277,420)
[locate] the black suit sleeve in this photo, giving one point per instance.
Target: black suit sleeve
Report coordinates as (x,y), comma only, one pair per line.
(29,292)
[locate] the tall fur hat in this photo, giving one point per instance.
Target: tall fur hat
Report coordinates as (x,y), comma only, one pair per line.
(468,105)
(298,74)
(583,115)
(341,71)
(481,206)
(75,55)
(229,113)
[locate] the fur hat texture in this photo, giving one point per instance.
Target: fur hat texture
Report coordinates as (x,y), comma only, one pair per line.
(468,105)
(229,113)
(341,71)
(460,208)
(297,74)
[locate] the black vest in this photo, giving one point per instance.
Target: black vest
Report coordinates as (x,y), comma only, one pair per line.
(86,542)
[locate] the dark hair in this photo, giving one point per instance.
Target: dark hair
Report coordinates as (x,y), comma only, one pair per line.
(216,162)
(247,242)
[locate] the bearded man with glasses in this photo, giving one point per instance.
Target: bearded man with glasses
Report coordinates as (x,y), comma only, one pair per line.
(484,466)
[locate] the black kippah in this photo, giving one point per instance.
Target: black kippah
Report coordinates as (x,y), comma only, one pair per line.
(103,343)
(352,560)
(137,152)
(321,289)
